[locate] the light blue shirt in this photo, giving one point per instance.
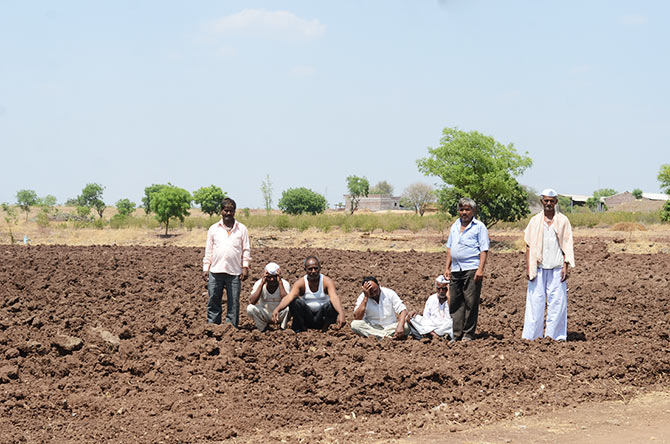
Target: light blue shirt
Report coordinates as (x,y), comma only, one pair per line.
(466,247)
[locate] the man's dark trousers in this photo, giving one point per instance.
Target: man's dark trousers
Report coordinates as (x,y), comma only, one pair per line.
(217,282)
(464,294)
(304,317)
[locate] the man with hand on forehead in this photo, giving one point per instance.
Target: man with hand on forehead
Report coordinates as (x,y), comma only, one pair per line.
(435,321)
(376,310)
(266,295)
(549,252)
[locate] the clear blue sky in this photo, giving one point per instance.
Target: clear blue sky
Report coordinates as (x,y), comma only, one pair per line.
(130,93)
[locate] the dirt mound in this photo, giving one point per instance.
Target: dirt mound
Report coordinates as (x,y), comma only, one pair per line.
(110,344)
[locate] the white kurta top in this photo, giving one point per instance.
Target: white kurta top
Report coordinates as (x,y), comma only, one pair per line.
(384,312)
(552,256)
(268,300)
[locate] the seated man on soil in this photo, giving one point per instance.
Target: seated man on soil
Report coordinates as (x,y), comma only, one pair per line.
(266,295)
(436,321)
(376,310)
(313,302)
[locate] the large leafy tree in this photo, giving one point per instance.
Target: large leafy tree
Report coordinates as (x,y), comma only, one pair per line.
(148,191)
(91,196)
(358,187)
(209,198)
(477,166)
(301,200)
(170,202)
(418,196)
(26,199)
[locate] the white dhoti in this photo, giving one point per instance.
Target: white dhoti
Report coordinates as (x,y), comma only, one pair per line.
(366,329)
(546,288)
(262,316)
(440,327)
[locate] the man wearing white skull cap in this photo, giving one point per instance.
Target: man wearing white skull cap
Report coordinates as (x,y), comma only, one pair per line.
(266,295)
(436,321)
(549,252)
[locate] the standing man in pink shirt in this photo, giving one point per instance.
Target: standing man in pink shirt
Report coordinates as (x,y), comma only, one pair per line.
(226,264)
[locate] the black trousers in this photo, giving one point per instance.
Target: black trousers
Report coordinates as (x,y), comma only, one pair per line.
(304,318)
(464,295)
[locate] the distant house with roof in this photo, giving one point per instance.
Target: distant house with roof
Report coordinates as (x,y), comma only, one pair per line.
(627,202)
(375,202)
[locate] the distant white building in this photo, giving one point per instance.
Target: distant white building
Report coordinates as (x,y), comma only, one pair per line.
(375,202)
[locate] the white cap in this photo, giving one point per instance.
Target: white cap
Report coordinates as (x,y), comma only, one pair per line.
(441,279)
(548,192)
(272,268)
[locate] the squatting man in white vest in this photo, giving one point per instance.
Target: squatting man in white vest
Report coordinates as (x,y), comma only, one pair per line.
(313,302)
(266,295)
(549,253)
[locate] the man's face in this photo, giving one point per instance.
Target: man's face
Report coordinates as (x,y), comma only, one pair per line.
(442,290)
(228,213)
(372,288)
(313,269)
(548,203)
(272,280)
(466,213)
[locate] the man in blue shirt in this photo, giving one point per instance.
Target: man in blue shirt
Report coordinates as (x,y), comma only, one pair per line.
(467,248)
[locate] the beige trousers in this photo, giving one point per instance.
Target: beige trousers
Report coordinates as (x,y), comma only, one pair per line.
(262,316)
(364,329)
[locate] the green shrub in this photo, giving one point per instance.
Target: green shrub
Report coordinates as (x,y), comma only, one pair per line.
(42,219)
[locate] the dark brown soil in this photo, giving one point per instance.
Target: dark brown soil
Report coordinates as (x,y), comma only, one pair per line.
(110,344)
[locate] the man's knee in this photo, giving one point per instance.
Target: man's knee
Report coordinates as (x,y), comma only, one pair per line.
(359,327)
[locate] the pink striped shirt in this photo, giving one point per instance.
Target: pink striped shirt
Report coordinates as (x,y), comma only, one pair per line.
(227,251)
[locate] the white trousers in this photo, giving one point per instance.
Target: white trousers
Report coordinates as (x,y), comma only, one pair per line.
(425,326)
(546,288)
(364,329)
(262,316)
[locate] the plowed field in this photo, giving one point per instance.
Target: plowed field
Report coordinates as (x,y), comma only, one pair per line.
(110,344)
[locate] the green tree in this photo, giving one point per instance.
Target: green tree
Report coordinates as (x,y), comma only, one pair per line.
(418,196)
(301,200)
(665,212)
(565,204)
(358,187)
(47,203)
(26,199)
(11,218)
(125,207)
(637,193)
(593,202)
(170,202)
(382,187)
(91,196)
(266,189)
(664,178)
(477,166)
(148,191)
(209,198)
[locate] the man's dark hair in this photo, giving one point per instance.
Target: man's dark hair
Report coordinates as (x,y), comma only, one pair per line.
(370,278)
(312,257)
(228,201)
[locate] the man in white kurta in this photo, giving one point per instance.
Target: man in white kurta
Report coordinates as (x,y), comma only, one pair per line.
(266,295)
(436,320)
(376,310)
(549,252)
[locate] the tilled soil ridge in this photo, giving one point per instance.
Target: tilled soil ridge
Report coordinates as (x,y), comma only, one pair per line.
(110,344)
